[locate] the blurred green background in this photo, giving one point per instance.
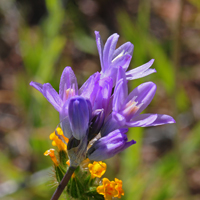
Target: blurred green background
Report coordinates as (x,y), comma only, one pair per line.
(39,38)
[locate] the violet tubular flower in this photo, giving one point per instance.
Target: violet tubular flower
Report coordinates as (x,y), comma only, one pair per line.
(67,89)
(108,146)
(126,108)
(79,113)
(111,59)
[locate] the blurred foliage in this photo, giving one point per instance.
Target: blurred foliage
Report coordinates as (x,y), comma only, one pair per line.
(65,37)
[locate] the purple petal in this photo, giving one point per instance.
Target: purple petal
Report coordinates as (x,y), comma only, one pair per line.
(128,144)
(37,86)
(67,81)
(64,120)
(103,96)
(52,96)
(145,120)
(90,88)
(96,123)
(121,91)
(142,120)
(89,83)
(121,120)
(109,50)
(79,116)
(116,136)
(141,71)
(162,119)
(126,48)
(100,48)
(106,147)
(121,75)
(123,61)
(113,122)
(143,95)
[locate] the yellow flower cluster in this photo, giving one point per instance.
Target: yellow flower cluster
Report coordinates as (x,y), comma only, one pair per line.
(57,137)
(97,169)
(51,153)
(111,189)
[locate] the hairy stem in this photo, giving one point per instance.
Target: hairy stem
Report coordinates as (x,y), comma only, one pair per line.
(63,183)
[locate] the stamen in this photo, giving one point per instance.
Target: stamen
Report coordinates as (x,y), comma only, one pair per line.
(69,93)
(93,140)
(130,108)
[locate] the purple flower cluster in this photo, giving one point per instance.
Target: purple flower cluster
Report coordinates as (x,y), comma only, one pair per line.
(101,111)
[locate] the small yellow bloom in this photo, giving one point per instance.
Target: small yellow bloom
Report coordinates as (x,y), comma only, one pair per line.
(108,189)
(97,169)
(50,153)
(57,141)
(118,187)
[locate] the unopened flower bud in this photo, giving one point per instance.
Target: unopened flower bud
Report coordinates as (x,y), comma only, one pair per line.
(96,123)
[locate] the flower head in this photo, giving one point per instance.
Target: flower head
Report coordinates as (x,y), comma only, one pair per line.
(97,169)
(95,108)
(111,189)
(111,59)
(108,189)
(126,108)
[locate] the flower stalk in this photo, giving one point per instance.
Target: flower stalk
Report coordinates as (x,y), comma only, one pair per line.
(63,183)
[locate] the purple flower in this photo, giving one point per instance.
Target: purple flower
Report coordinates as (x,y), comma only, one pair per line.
(103,96)
(127,108)
(96,123)
(75,111)
(90,88)
(111,59)
(79,113)
(95,108)
(98,91)
(106,147)
(67,90)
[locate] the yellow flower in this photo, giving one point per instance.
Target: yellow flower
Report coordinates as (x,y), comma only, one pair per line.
(118,187)
(108,189)
(50,153)
(57,141)
(97,169)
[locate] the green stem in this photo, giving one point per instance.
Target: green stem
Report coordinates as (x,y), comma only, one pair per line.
(63,183)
